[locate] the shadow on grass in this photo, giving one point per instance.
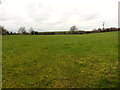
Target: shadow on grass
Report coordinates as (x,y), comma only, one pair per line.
(107,83)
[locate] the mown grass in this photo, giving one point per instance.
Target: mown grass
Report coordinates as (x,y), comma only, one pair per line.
(61,61)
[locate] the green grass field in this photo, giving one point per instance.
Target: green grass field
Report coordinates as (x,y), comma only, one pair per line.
(61,61)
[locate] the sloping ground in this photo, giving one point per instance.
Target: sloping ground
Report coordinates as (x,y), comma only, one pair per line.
(61,61)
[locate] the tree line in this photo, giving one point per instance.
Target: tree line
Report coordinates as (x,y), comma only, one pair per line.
(73,30)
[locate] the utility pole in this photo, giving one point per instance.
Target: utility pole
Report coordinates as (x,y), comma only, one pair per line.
(103,26)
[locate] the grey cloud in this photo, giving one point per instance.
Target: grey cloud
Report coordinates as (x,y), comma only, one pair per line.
(90,17)
(43,15)
(38,13)
(3,19)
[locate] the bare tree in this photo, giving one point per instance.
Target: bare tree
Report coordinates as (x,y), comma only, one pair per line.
(31,30)
(3,31)
(22,30)
(99,29)
(73,28)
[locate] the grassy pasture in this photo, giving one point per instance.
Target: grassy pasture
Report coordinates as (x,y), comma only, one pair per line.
(60,61)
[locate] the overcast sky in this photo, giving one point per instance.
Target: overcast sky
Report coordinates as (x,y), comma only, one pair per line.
(52,15)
